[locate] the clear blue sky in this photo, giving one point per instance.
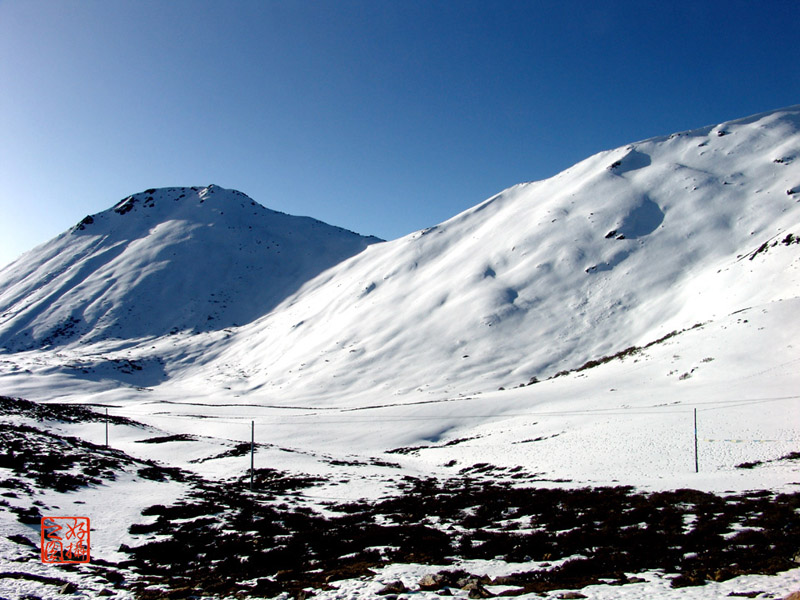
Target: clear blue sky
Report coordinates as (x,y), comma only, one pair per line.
(381,117)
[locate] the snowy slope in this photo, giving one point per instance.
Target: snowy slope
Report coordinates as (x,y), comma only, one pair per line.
(619,250)
(163,261)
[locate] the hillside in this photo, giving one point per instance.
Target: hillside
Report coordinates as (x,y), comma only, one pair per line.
(619,250)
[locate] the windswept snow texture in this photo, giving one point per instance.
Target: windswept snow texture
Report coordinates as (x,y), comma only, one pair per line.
(163,261)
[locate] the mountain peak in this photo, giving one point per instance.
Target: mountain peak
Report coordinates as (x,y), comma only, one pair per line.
(165,260)
(171,200)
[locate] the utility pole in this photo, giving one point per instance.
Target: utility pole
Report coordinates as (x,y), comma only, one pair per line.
(106,428)
(696,463)
(252,450)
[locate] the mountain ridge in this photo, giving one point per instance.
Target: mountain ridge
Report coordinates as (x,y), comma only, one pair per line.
(619,250)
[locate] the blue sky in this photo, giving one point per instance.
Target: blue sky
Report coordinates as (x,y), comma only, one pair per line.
(381,117)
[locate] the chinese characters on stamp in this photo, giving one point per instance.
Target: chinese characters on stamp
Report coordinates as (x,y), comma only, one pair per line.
(65,539)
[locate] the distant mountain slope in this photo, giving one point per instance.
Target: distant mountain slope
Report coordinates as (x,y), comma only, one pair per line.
(618,250)
(164,261)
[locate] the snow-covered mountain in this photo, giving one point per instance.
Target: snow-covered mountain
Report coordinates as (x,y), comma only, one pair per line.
(651,292)
(164,261)
(619,250)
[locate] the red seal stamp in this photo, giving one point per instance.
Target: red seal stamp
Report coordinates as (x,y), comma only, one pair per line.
(65,539)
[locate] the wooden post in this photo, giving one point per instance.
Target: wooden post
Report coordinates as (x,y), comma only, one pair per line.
(252,449)
(106,428)
(696,463)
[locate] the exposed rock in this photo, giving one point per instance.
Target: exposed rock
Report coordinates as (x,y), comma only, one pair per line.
(88,220)
(431,582)
(395,587)
(476,589)
(68,588)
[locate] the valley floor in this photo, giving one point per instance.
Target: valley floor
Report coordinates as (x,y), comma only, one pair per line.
(166,531)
